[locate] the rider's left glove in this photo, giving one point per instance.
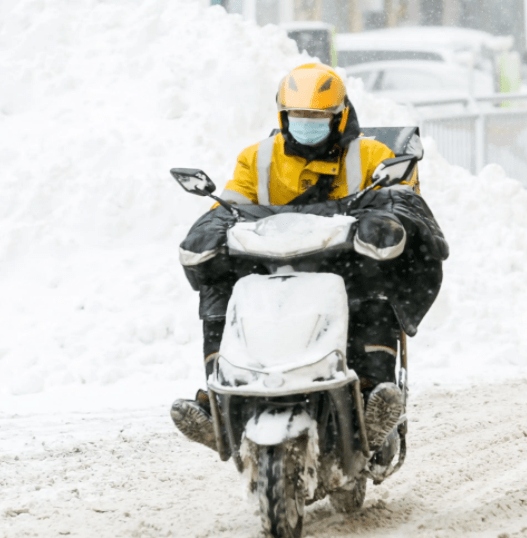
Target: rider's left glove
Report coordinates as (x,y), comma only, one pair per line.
(379,236)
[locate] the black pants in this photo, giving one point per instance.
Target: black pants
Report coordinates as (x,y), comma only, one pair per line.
(372,342)
(212,333)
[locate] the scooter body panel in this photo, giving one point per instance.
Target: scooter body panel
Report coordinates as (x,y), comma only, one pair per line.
(284,333)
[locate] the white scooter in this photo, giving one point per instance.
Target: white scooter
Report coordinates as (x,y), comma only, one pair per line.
(284,403)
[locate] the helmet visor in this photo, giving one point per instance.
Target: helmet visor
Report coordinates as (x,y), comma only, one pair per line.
(310,114)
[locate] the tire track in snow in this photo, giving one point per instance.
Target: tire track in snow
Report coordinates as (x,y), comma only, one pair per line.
(130,474)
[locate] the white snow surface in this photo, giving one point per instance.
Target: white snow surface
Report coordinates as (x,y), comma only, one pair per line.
(98,100)
(274,428)
(289,234)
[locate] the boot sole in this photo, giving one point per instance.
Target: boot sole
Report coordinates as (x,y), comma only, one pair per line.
(194,424)
(381,417)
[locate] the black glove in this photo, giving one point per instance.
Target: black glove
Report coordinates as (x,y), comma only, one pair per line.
(380,236)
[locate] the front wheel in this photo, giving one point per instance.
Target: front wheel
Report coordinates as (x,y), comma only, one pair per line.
(350,500)
(281,491)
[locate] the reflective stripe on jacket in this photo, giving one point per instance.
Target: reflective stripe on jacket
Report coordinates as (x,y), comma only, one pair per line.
(265,175)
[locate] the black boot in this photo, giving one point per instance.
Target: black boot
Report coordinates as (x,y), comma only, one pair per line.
(385,406)
(384,399)
(194,420)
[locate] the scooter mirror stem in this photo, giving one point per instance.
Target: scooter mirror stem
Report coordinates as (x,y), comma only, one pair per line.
(360,194)
(227,206)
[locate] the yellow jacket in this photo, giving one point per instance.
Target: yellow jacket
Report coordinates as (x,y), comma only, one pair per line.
(265,175)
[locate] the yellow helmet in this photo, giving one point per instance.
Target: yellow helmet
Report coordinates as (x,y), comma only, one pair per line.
(313,87)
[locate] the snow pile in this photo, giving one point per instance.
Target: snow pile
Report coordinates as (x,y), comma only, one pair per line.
(99,100)
(476,327)
(102,99)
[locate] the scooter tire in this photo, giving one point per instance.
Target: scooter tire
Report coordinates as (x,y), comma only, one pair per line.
(280,492)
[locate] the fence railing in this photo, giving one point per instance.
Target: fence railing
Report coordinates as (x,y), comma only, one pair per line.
(485,130)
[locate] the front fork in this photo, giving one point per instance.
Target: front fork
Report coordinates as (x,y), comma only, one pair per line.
(217,424)
(222,421)
(341,399)
(342,403)
(403,373)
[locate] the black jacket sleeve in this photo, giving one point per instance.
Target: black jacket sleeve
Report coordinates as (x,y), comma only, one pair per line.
(411,282)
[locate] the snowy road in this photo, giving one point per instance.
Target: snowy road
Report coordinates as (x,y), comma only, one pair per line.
(102,99)
(130,474)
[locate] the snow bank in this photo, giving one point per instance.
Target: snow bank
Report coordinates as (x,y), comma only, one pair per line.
(99,100)
(102,99)
(476,327)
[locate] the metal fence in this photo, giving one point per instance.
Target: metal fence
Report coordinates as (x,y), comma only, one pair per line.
(485,130)
(455,138)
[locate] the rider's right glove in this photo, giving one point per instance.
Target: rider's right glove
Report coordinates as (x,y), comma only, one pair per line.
(379,236)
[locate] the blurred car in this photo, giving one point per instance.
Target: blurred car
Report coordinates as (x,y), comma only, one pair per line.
(317,38)
(463,46)
(421,80)
(353,49)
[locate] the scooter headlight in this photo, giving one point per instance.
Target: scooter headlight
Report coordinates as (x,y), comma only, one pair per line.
(329,368)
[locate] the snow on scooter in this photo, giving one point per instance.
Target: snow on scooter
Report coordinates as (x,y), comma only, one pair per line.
(285,405)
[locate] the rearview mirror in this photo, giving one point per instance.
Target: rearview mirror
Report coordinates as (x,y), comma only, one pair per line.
(194,181)
(393,171)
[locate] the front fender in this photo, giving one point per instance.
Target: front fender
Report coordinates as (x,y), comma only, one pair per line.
(277,425)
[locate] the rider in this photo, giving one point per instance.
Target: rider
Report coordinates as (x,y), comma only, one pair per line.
(318,155)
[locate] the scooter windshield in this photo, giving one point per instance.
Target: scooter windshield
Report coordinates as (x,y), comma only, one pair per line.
(289,235)
(285,319)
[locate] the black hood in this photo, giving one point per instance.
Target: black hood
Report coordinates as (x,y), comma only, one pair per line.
(332,147)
